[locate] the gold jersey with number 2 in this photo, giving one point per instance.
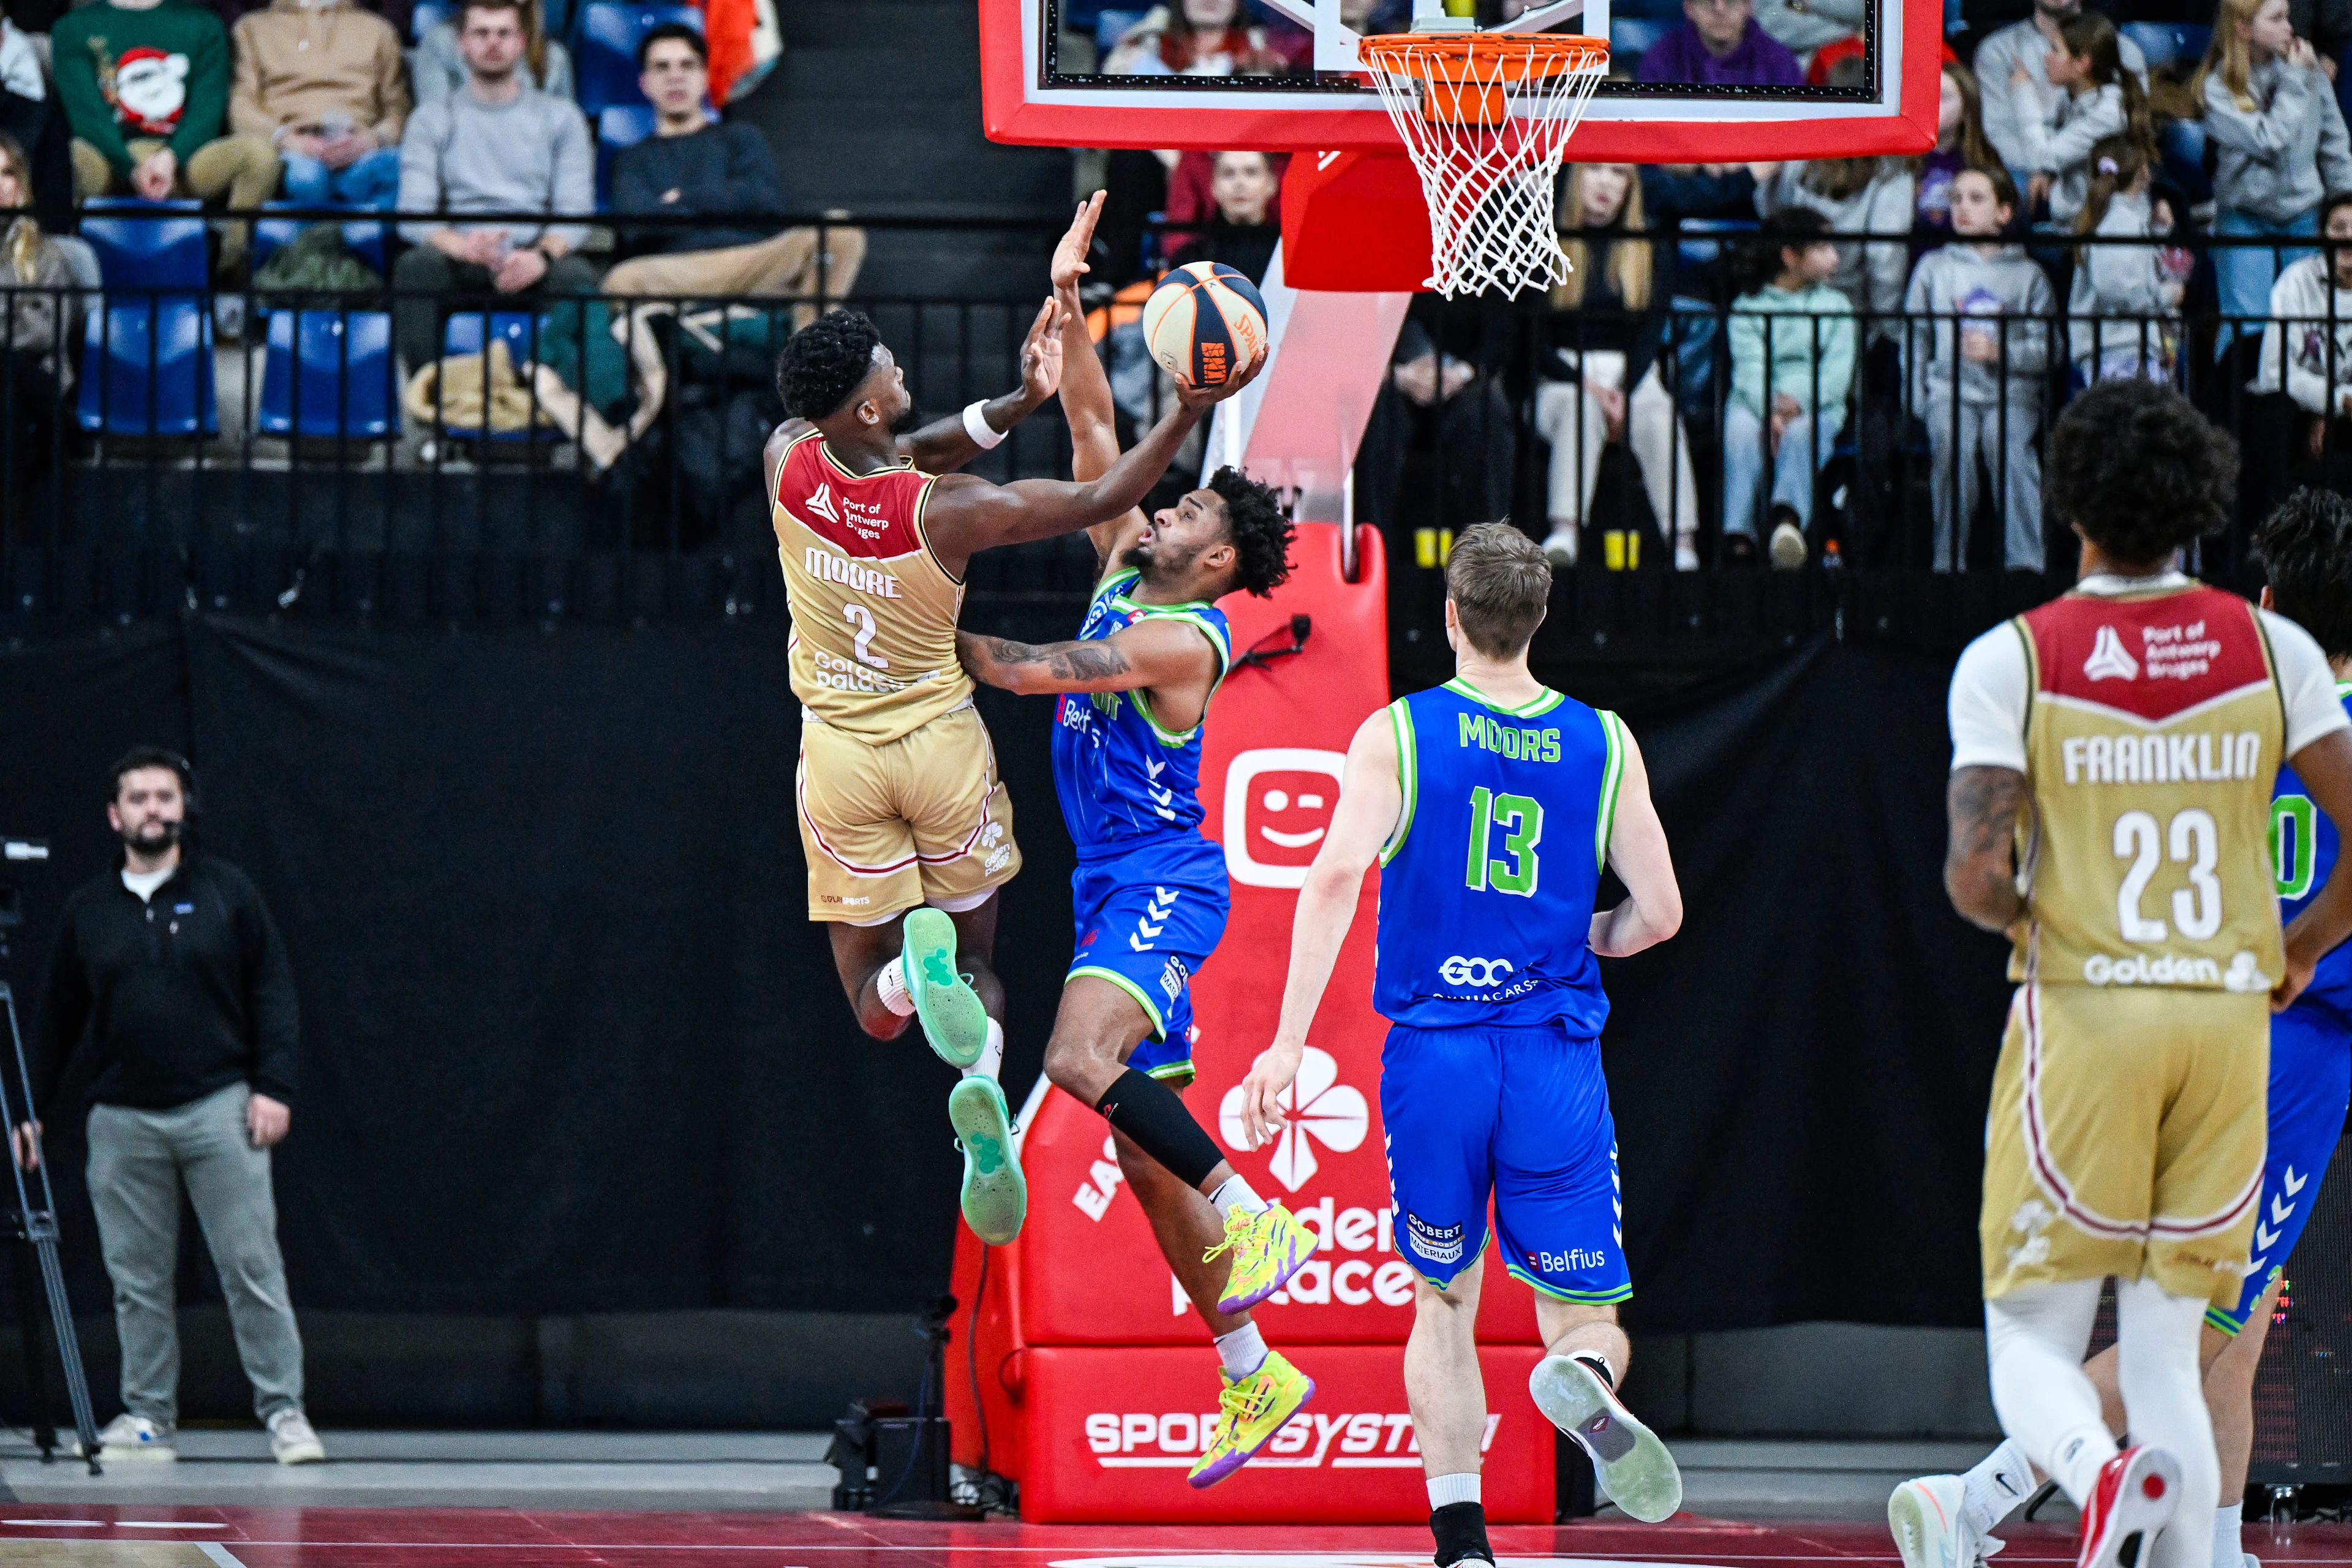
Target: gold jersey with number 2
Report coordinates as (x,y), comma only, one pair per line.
(874,613)
(901,800)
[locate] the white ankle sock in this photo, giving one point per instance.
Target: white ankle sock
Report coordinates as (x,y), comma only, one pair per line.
(1232,1193)
(991,1055)
(1444,1490)
(1244,1352)
(891,984)
(2000,1481)
(2229,1540)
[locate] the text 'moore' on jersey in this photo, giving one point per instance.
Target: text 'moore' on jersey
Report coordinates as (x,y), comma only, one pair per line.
(874,613)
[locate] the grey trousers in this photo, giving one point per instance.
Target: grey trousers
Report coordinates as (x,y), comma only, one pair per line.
(2006,446)
(139,1161)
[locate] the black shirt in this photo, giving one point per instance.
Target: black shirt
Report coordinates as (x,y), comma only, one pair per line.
(181,995)
(724,170)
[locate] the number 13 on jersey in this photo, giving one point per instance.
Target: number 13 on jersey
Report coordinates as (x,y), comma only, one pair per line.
(1520,818)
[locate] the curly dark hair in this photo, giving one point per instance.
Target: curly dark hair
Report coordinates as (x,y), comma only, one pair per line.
(2140,471)
(2307,549)
(824,361)
(1260,532)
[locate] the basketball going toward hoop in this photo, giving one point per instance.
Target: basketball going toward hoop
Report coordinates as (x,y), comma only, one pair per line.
(1205,324)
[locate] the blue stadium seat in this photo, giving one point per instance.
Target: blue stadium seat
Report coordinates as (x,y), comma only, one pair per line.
(147,368)
(1634,36)
(337,364)
(464,335)
(604,67)
(1110,25)
(1696,250)
(428,15)
(363,240)
(2169,44)
(618,125)
(147,245)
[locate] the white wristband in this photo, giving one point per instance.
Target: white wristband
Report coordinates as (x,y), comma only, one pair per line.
(976,426)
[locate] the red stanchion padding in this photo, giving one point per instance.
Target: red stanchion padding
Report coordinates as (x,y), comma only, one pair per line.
(1111,1435)
(1085,1271)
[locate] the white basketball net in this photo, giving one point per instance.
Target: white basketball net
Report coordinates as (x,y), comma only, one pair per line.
(1488,174)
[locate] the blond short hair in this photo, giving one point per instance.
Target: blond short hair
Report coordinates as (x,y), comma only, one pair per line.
(1499,581)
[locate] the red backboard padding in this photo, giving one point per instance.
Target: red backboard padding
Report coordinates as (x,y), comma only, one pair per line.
(1079,1318)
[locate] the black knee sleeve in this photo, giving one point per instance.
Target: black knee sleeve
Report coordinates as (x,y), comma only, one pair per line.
(1156,1122)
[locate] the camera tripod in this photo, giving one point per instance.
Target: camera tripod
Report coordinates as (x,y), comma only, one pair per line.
(36,1232)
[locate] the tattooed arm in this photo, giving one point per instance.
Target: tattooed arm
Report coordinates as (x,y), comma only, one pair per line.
(1979,865)
(1168,657)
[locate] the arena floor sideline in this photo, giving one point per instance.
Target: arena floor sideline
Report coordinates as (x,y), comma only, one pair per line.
(510,1537)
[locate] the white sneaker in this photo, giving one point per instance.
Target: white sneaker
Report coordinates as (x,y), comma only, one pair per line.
(1931,1526)
(1628,1460)
(1687,552)
(1562,544)
(133,1437)
(1788,547)
(293,1441)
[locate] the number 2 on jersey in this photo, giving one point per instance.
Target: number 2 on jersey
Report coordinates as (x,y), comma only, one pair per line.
(1521,817)
(861,617)
(2194,841)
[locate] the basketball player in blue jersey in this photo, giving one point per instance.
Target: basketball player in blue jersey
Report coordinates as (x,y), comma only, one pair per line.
(1493,804)
(1946,1521)
(1150,893)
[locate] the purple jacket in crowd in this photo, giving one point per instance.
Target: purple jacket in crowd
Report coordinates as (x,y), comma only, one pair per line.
(1760,60)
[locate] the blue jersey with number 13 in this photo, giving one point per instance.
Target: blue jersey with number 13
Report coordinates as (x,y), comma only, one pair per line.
(1487,882)
(2304,844)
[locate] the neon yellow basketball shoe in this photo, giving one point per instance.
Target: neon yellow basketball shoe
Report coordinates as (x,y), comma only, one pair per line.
(1267,1248)
(953,1020)
(1250,1410)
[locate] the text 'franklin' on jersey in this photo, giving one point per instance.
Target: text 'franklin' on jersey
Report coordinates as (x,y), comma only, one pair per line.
(2152,740)
(1488,880)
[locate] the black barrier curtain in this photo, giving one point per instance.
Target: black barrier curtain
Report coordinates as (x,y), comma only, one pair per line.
(1800,1077)
(571,1045)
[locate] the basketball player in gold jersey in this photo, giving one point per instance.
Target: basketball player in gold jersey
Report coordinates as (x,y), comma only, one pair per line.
(2113,757)
(903,816)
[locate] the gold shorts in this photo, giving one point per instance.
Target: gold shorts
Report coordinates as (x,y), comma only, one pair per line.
(2126,1138)
(923,820)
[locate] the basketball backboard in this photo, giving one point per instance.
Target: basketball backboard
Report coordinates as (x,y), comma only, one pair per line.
(1324,104)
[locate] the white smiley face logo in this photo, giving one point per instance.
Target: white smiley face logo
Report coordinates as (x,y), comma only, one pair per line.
(1278,804)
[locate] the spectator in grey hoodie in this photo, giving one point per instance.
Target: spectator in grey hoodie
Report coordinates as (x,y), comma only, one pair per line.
(499,146)
(2279,141)
(2100,100)
(1977,352)
(2028,44)
(439,68)
(2307,348)
(2124,310)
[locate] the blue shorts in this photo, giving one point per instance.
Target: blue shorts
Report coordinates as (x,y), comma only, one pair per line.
(1519,1113)
(2311,1083)
(1146,920)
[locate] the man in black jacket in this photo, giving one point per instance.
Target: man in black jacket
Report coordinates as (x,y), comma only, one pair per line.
(172,972)
(691,165)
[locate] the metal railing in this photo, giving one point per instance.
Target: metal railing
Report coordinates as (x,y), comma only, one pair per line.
(626,430)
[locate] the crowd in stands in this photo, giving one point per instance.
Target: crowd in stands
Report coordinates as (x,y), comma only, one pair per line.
(2037,248)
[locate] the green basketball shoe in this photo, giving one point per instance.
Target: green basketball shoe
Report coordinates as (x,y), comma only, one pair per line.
(995,1194)
(952,1018)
